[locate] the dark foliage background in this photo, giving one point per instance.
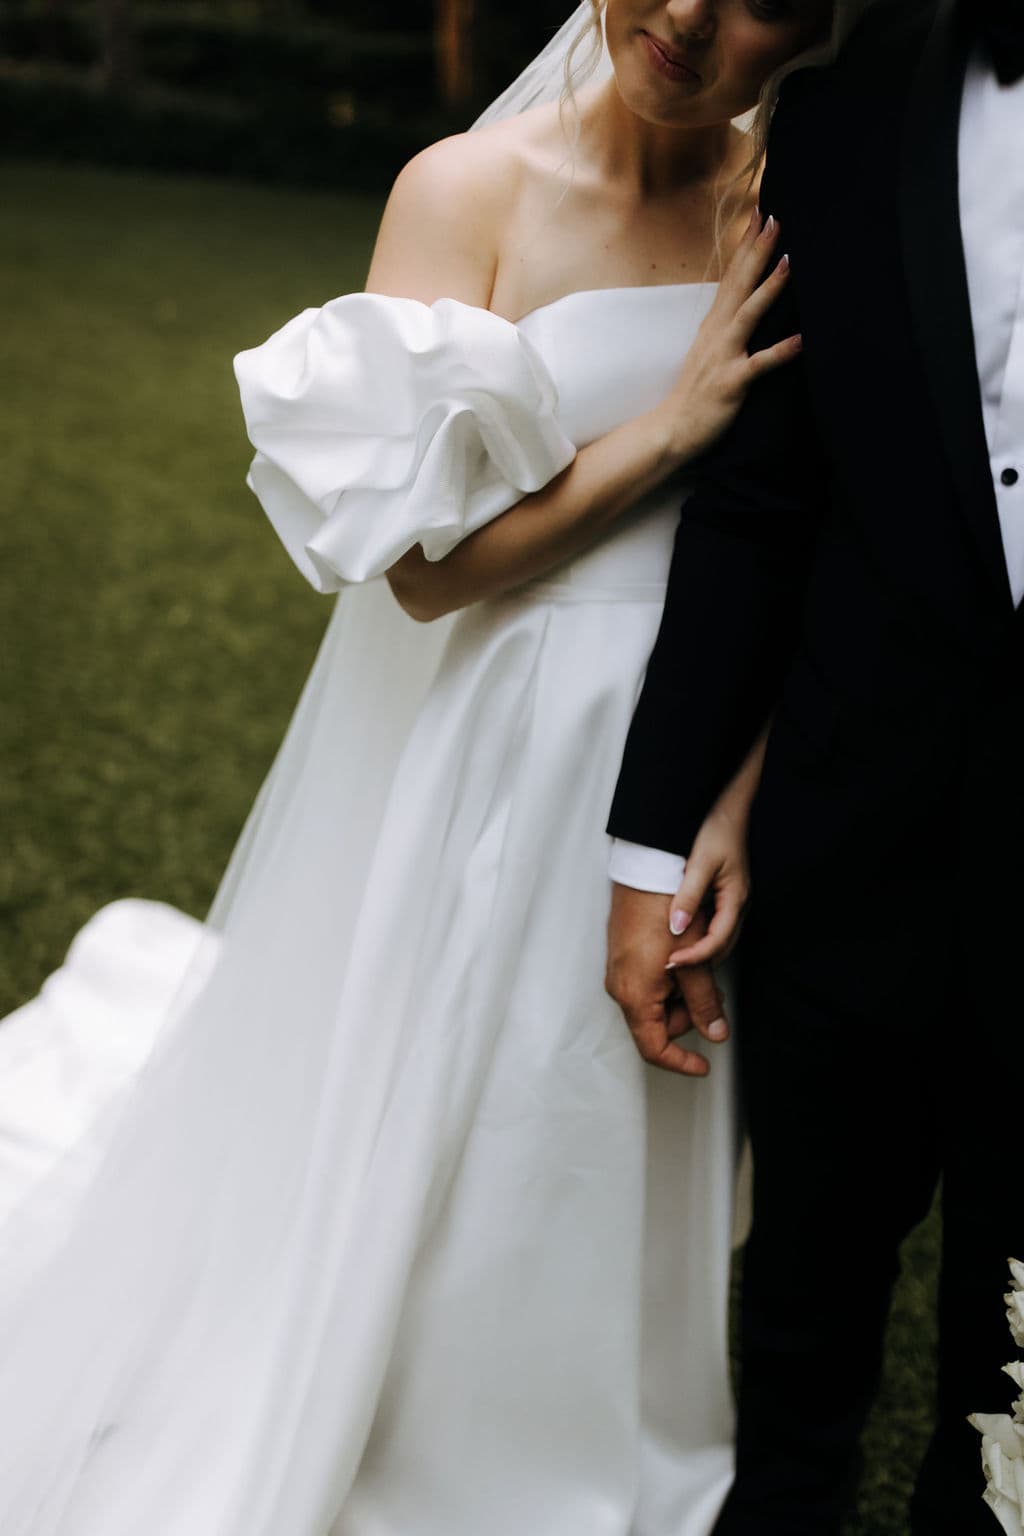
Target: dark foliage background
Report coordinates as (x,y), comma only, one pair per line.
(305,92)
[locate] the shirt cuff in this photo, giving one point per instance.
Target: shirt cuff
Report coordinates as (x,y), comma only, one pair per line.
(645,869)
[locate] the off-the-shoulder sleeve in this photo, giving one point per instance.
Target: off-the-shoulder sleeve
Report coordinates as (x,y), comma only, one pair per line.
(381,423)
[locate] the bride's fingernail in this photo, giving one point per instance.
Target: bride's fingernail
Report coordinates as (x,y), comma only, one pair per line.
(769,228)
(784,264)
(718,1030)
(679,922)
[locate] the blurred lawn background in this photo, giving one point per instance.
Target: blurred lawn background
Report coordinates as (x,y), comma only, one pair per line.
(155,636)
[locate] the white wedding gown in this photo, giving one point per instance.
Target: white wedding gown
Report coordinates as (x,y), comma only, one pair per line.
(381,1227)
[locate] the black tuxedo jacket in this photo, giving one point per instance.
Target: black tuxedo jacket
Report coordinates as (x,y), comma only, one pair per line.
(840,566)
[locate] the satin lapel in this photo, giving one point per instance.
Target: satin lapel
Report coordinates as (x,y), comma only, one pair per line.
(936,276)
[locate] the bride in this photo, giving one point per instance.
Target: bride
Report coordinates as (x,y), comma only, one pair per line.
(391,1233)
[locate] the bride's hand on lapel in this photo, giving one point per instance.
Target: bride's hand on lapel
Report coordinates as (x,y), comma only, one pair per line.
(720,368)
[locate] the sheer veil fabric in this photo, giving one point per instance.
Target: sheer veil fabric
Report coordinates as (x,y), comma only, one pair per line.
(544,79)
(192,1342)
(128,1306)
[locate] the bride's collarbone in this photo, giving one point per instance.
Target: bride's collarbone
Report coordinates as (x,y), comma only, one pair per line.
(562,226)
(550,248)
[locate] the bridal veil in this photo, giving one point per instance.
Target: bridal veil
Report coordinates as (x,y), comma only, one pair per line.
(181,1291)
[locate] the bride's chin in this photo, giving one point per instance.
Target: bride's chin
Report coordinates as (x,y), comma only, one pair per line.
(649,108)
(646,99)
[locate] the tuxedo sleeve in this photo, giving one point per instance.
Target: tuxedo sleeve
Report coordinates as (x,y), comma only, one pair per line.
(736,585)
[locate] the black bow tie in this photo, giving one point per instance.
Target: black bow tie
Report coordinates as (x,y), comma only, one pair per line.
(1002,25)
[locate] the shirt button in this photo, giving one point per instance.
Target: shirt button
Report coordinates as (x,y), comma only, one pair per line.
(1009,477)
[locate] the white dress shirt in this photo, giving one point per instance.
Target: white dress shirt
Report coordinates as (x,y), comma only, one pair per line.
(992,220)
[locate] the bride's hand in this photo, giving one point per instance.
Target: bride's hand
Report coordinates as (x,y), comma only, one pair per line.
(719,369)
(716,868)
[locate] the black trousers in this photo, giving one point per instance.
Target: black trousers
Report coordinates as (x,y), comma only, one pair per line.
(871,1071)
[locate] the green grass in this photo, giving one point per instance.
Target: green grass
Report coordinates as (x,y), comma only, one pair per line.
(900,1425)
(155,636)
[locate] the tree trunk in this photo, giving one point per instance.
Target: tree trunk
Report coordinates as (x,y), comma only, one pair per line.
(456,61)
(119,59)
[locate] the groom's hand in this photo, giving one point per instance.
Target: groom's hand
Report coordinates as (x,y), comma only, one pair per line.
(639,945)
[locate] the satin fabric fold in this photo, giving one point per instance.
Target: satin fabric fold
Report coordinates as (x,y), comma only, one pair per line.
(419,425)
(390,1230)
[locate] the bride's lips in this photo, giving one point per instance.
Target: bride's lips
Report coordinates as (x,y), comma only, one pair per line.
(672,65)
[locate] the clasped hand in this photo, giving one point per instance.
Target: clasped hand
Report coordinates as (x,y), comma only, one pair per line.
(662,950)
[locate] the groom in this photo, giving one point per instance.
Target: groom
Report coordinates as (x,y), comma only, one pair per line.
(852,565)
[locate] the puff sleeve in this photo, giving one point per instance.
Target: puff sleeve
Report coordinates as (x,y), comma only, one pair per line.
(381,423)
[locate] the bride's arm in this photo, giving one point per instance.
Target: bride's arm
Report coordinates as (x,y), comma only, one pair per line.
(441,237)
(542,530)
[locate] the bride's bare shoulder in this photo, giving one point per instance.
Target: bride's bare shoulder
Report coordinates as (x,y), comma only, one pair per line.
(455,201)
(480,174)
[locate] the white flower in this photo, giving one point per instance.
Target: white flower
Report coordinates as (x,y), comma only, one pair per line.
(1002,1455)
(1015,1371)
(1002,1437)
(1015,1309)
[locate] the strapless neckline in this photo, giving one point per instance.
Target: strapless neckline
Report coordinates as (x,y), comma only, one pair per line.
(626,288)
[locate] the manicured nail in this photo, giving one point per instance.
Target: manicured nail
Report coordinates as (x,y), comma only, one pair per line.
(718,1030)
(678,922)
(784,264)
(673,965)
(769,228)
(755,219)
